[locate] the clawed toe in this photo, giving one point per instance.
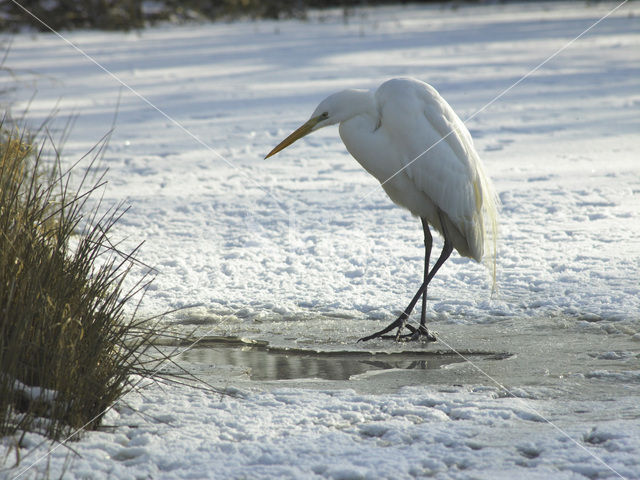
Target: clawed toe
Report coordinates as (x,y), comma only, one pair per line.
(420,333)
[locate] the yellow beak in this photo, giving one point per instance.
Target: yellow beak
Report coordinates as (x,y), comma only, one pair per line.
(297,135)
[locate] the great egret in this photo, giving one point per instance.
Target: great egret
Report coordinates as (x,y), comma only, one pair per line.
(408,137)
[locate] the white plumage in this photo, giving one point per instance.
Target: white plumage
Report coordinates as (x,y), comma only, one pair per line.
(408,137)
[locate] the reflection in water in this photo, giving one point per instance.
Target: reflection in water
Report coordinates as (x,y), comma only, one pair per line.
(263,363)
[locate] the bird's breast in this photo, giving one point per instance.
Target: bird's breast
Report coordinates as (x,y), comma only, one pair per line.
(381,157)
(367,143)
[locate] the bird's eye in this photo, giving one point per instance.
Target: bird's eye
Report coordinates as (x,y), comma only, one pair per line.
(325,115)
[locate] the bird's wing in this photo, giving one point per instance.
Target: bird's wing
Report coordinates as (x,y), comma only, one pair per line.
(438,156)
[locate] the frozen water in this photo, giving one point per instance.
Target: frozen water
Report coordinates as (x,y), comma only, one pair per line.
(304,251)
(260,362)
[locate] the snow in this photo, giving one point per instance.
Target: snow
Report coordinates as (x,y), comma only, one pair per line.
(304,250)
(34,393)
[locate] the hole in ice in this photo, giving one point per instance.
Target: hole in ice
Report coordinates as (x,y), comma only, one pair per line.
(262,362)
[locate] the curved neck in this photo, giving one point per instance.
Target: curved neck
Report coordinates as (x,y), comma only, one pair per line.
(357,102)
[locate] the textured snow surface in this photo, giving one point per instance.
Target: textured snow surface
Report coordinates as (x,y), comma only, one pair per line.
(290,433)
(305,250)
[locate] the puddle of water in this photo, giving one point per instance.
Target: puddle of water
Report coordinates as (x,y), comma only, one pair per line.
(565,357)
(263,363)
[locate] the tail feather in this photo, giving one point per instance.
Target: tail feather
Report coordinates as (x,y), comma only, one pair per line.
(489,216)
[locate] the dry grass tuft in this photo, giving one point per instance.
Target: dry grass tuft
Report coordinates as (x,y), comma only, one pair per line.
(67,347)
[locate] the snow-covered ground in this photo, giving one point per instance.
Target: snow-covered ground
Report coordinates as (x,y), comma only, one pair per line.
(305,251)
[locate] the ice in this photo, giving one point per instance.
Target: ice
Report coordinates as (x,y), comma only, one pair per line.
(304,251)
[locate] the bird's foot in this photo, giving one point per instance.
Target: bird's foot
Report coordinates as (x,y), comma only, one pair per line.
(420,333)
(399,323)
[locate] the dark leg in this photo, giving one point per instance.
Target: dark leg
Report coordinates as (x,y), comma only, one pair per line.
(428,240)
(402,319)
(422,330)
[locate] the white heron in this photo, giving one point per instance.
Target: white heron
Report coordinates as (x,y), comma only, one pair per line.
(408,137)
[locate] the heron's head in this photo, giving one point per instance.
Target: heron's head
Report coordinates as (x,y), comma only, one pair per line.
(334,109)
